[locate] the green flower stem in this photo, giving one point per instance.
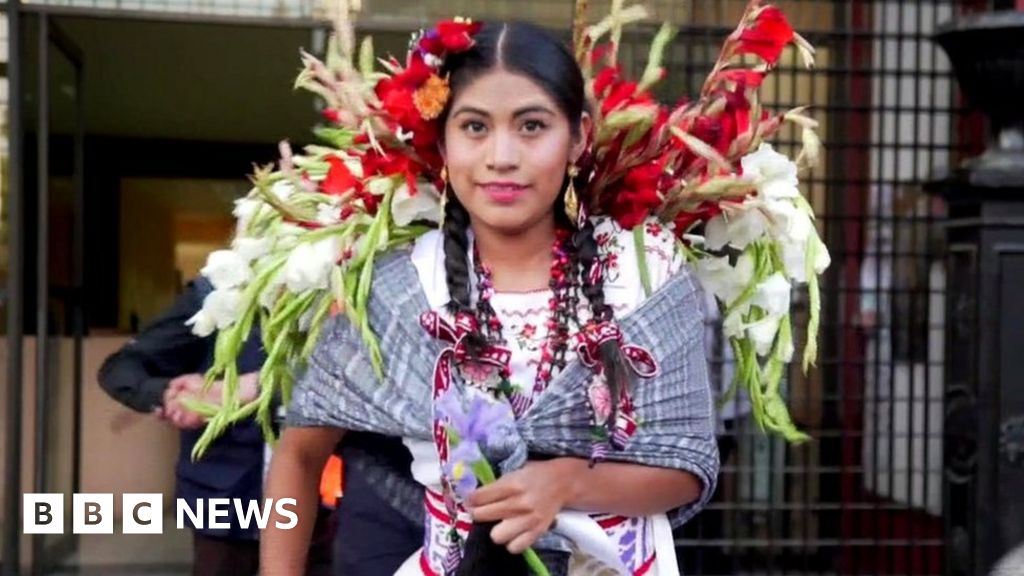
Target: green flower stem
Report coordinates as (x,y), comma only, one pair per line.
(535,563)
(373,240)
(641,258)
(814,295)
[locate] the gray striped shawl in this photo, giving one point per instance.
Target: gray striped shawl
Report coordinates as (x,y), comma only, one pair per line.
(673,409)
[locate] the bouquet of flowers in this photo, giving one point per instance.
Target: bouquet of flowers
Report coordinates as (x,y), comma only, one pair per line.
(309,231)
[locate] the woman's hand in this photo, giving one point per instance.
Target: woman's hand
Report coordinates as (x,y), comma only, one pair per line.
(524,503)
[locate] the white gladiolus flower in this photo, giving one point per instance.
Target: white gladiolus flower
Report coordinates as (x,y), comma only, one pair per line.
(224,306)
(226,269)
(407,207)
(221,309)
(822,258)
(288,235)
(789,222)
(724,281)
(268,297)
(283,189)
(244,211)
(737,228)
(202,324)
(328,214)
(774,174)
(309,265)
(772,295)
(794,258)
(762,334)
(732,325)
(250,249)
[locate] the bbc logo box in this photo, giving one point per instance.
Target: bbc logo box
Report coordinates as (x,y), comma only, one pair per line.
(92,514)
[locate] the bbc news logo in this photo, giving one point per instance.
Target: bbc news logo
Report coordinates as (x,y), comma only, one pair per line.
(144,513)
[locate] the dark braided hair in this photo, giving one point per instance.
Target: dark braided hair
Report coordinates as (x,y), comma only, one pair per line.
(528,50)
(617,376)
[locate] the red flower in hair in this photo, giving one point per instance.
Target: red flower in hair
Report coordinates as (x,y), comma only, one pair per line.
(399,105)
(768,35)
(412,77)
(457,36)
(449,36)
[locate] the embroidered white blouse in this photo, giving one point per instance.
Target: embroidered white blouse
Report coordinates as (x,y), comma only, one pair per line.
(605,544)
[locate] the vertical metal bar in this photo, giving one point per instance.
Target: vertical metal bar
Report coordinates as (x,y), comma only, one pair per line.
(807,474)
(898,322)
(79,272)
(42,275)
(932,229)
(912,546)
(15,297)
(875,217)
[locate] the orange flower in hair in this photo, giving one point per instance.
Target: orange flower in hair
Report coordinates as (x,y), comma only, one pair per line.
(431,97)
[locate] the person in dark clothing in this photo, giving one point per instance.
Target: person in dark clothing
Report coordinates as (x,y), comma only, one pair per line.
(164,365)
(373,538)
(156,372)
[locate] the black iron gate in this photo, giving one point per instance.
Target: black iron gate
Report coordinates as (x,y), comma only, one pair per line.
(866,496)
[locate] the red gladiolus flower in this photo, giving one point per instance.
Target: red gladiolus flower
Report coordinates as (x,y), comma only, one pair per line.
(685,220)
(410,78)
(605,78)
(339,178)
(599,52)
(767,36)
(331,115)
(370,202)
(742,77)
(637,195)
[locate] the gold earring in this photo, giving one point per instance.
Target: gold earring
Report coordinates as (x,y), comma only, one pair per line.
(572,204)
(444,194)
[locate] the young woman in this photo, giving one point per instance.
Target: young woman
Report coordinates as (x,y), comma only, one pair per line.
(528,307)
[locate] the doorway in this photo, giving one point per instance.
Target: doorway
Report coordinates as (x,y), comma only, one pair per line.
(136,135)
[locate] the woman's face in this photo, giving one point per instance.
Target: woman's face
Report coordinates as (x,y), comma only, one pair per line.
(507,147)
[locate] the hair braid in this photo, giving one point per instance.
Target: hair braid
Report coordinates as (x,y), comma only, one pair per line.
(612,360)
(456,265)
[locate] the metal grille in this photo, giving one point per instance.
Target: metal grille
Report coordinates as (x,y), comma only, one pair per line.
(865,496)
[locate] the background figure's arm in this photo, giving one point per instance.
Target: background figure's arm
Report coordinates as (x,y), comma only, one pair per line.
(138,374)
(295,469)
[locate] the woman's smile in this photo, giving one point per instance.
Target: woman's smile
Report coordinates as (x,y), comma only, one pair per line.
(503,192)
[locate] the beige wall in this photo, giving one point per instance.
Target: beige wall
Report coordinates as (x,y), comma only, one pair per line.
(168,225)
(121,451)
